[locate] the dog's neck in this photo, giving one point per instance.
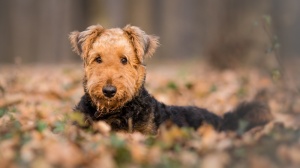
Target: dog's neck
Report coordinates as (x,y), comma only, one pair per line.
(138,114)
(104,113)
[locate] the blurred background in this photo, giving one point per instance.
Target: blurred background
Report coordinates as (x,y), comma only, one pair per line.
(227,33)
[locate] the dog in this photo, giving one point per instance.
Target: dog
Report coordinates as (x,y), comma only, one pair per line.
(114,91)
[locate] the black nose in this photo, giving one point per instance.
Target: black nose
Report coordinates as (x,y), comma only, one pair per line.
(109,91)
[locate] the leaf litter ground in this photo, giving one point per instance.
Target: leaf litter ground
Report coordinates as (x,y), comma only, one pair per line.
(37,130)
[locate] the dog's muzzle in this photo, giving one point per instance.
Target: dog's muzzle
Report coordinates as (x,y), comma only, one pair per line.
(109,91)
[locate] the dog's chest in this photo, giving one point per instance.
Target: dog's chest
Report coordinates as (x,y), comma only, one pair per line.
(130,120)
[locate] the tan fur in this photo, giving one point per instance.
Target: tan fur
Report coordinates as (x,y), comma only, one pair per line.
(147,128)
(82,41)
(145,45)
(112,45)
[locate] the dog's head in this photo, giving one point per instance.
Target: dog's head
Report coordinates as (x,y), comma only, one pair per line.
(113,62)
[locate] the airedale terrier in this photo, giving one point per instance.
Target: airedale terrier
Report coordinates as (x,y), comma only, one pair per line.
(114,77)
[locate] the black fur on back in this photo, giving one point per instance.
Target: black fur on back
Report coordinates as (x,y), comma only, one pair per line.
(143,106)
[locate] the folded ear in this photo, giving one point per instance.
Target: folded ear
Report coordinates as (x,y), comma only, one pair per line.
(144,45)
(74,42)
(82,41)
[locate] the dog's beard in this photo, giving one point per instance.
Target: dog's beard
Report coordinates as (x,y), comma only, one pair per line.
(106,105)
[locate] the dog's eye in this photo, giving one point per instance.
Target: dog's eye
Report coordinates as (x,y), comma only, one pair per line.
(124,60)
(98,60)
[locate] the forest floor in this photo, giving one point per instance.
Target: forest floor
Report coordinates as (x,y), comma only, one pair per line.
(36,119)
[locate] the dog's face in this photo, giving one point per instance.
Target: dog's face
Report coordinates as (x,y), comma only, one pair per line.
(113,63)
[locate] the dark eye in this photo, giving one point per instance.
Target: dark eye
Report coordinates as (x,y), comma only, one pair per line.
(124,60)
(98,59)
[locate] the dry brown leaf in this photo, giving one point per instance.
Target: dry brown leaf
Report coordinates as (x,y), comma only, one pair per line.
(215,160)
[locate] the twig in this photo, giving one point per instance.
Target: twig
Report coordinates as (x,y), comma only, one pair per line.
(279,60)
(7,103)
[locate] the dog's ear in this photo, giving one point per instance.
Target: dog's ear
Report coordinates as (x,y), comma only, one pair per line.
(82,41)
(145,45)
(74,42)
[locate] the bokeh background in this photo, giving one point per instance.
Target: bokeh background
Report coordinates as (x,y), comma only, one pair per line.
(213,54)
(227,33)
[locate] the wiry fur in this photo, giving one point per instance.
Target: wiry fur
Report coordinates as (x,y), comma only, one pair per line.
(131,107)
(82,41)
(144,45)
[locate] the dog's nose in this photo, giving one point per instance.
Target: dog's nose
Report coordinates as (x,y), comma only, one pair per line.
(109,91)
